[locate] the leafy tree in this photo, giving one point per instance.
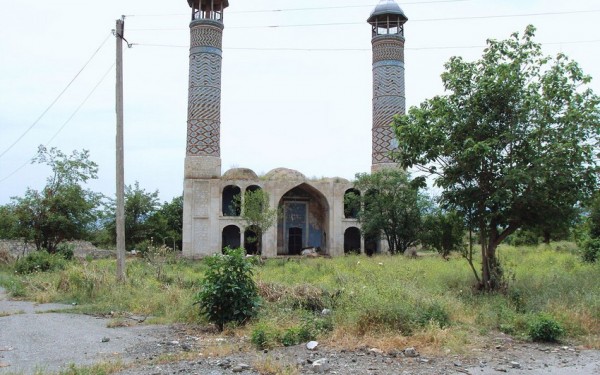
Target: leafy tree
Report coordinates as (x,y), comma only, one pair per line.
(511,144)
(228,293)
(593,221)
(8,222)
(443,231)
(140,206)
(391,205)
(63,210)
(256,213)
(167,222)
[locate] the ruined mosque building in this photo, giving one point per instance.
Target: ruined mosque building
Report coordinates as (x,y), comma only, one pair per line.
(312,212)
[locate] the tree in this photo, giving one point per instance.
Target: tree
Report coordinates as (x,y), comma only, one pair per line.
(391,205)
(443,231)
(140,206)
(512,141)
(256,213)
(63,210)
(167,222)
(8,222)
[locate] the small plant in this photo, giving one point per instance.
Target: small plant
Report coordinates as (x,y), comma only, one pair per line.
(228,292)
(544,328)
(265,337)
(39,261)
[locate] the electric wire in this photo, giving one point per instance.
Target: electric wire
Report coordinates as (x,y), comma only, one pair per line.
(463,18)
(291,49)
(57,98)
(299,9)
(89,95)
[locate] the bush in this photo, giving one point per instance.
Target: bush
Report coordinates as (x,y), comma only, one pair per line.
(39,261)
(264,337)
(434,313)
(66,250)
(228,293)
(524,237)
(591,250)
(544,328)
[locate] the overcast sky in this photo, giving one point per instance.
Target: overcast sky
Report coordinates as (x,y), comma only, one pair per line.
(296,96)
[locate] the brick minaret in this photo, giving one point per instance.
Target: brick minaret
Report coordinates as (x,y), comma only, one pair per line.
(203,150)
(387,21)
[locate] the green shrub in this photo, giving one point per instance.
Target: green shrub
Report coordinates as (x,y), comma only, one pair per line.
(591,250)
(545,328)
(264,337)
(39,261)
(434,313)
(66,250)
(228,293)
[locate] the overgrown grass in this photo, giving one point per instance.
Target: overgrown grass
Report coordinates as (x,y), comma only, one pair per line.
(383,301)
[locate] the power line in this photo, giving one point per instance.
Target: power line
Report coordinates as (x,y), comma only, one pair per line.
(57,98)
(300,9)
(64,124)
(352,49)
(412,20)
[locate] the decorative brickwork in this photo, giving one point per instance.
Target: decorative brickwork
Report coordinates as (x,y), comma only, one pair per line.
(204,96)
(390,48)
(388,94)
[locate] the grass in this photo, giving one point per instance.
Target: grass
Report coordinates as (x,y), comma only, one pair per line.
(385,302)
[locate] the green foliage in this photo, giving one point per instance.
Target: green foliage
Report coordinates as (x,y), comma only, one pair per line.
(443,231)
(391,205)
(591,250)
(228,292)
(166,224)
(511,145)
(255,212)
(140,206)
(264,336)
(8,222)
(66,251)
(594,218)
(545,328)
(523,237)
(433,313)
(39,261)
(63,210)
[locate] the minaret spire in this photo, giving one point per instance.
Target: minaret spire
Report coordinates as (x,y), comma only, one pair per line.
(387,21)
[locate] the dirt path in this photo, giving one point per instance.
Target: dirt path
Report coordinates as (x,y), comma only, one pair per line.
(33,339)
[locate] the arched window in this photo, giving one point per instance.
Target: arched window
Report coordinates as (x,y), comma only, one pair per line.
(230,196)
(253,188)
(352,241)
(230,237)
(351,203)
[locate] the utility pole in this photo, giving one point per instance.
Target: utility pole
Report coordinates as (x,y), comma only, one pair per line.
(120,219)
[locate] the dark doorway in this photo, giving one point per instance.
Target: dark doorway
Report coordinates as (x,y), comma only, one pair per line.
(295,241)
(231,237)
(371,244)
(352,241)
(251,243)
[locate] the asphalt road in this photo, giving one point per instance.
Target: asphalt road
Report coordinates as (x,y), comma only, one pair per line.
(33,339)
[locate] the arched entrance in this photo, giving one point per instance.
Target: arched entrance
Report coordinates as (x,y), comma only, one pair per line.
(251,241)
(352,241)
(303,220)
(230,237)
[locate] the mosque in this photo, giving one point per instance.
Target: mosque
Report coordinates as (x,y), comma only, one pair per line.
(312,212)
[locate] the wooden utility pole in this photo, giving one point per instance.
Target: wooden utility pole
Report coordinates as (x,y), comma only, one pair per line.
(120,219)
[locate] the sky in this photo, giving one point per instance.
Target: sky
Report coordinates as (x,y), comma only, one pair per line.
(296,88)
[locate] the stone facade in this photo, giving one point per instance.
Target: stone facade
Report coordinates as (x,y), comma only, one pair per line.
(312,212)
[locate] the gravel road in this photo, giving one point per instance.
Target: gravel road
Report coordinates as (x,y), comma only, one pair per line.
(34,339)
